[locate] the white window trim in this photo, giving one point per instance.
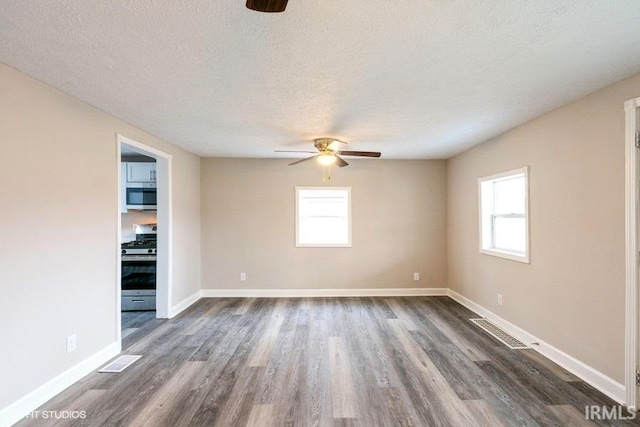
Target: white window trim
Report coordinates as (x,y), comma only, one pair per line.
(331,245)
(496,252)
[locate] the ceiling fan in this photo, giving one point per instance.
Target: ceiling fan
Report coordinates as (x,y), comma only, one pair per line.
(267,5)
(328,152)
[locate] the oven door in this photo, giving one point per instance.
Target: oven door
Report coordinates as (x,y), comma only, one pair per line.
(138,275)
(138,283)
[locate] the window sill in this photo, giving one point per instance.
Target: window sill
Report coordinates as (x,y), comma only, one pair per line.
(506,255)
(328,245)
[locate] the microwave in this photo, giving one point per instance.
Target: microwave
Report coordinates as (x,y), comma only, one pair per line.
(141,196)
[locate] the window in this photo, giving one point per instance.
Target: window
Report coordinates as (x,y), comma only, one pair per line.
(504,215)
(323,216)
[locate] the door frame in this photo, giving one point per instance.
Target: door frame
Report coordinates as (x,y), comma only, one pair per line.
(632,198)
(165,216)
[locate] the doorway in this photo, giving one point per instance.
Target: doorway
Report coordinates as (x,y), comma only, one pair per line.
(162,178)
(632,217)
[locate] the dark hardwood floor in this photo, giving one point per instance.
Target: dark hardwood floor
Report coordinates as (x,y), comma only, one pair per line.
(414,361)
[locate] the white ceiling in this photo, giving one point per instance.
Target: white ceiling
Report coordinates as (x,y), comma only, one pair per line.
(412,78)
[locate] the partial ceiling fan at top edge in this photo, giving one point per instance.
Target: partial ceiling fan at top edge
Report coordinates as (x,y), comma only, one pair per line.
(269,6)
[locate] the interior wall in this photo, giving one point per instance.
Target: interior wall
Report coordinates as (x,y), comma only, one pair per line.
(58,229)
(186,234)
(572,295)
(398,225)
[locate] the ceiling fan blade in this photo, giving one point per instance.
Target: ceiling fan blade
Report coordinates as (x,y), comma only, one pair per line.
(340,161)
(294,151)
(360,153)
(267,5)
(302,160)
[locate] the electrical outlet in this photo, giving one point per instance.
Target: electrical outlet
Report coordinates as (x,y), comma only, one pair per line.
(72,343)
(416,277)
(243,277)
(500,299)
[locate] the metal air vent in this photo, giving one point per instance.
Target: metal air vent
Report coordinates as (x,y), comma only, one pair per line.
(502,336)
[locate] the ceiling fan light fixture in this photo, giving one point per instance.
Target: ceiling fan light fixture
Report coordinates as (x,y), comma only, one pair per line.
(326,159)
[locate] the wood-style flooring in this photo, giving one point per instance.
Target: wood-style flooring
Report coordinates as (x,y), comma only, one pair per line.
(415,361)
(136,324)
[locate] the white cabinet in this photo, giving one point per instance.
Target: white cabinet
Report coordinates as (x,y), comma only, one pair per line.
(141,172)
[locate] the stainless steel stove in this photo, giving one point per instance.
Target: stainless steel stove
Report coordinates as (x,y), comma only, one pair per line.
(139,273)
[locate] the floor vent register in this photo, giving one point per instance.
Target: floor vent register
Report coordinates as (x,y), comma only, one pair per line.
(120,364)
(502,336)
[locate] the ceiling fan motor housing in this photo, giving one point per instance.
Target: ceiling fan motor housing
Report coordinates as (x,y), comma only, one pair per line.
(323,144)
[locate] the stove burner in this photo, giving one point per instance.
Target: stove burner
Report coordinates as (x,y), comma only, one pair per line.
(140,244)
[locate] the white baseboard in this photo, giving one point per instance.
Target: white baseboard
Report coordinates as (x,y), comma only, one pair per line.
(595,378)
(297,293)
(514,330)
(21,408)
(184,304)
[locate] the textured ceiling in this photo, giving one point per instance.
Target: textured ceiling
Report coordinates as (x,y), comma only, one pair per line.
(412,78)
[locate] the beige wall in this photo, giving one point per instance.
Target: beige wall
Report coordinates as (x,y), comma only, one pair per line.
(58,229)
(186,234)
(572,294)
(398,217)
